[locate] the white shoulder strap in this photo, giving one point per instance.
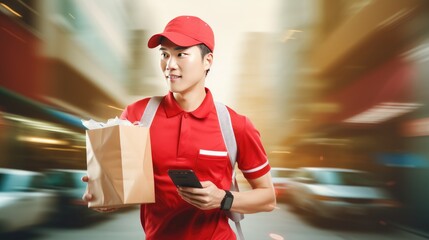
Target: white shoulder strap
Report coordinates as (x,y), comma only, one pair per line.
(150,110)
(231,146)
(227,131)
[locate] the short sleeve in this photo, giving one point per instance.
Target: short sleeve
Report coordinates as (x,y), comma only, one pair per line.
(251,156)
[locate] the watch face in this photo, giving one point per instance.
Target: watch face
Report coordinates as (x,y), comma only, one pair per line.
(228,203)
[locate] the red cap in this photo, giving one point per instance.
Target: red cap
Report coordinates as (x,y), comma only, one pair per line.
(185,31)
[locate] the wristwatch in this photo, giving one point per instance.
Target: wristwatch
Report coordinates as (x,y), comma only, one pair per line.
(227,201)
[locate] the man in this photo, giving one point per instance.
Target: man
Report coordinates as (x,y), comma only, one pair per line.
(185,134)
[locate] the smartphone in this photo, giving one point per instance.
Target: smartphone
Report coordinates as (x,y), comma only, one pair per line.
(184,178)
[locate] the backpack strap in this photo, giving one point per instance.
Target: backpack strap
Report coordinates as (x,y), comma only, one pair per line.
(231,146)
(227,131)
(150,110)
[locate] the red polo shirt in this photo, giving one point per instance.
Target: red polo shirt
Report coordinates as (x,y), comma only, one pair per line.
(193,140)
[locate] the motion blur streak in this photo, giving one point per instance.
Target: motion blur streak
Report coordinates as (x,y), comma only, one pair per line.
(328,83)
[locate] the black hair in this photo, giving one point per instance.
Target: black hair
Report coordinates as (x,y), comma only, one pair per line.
(204,51)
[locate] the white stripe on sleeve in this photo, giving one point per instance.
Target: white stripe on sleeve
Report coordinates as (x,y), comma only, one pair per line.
(256,168)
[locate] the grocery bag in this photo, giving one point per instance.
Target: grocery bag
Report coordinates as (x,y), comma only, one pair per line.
(119,166)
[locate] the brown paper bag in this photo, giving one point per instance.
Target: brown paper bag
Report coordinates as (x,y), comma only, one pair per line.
(119,162)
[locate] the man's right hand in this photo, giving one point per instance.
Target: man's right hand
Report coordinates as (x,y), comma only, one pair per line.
(87,197)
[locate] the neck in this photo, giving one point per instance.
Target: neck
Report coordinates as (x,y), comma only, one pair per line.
(190,101)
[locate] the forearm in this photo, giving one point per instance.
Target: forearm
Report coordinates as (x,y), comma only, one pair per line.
(261,198)
(253,201)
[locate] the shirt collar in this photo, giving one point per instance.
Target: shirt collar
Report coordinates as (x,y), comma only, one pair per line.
(172,108)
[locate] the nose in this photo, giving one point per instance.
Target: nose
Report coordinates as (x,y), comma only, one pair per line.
(171,64)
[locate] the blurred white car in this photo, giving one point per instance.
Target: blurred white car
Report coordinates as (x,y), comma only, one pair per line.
(68,188)
(280,177)
(340,194)
(23,203)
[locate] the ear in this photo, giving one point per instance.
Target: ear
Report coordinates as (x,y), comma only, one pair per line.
(208,60)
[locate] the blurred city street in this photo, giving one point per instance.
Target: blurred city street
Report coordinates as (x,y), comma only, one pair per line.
(336,89)
(277,225)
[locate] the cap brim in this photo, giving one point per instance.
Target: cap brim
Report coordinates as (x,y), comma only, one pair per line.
(177,38)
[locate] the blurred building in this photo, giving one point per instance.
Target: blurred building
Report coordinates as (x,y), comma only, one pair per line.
(62,61)
(360,94)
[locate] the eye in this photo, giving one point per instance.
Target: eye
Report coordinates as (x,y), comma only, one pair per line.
(182,54)
(164,55)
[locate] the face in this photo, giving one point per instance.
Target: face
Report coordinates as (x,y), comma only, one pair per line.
(184,68)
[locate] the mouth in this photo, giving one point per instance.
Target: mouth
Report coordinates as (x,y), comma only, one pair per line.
(173,77)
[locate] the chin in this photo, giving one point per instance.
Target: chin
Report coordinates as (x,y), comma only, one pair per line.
(176,89)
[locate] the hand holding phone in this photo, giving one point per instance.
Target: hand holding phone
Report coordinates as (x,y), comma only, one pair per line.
(184,178)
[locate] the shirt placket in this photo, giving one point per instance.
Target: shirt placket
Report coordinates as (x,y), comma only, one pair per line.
(183,147)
